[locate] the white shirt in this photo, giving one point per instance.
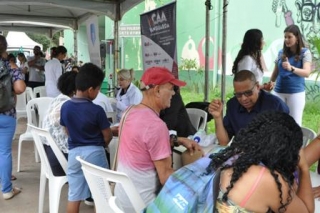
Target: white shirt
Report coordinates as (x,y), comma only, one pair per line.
(51,122)
(103,101)
(53,70)
(35,74)
(248,63)
(132,96)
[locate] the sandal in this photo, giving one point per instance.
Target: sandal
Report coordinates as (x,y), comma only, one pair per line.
(13,177)
(14,192)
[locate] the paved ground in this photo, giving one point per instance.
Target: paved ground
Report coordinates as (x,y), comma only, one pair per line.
(28,179)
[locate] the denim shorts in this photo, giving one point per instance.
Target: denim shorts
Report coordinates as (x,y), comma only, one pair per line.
(78,187)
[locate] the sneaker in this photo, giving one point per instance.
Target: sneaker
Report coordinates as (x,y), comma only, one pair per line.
(11,194)
(89,201)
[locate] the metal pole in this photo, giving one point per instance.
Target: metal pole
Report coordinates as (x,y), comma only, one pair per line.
(116,45)
(224,48)
(207,50)
(75,45)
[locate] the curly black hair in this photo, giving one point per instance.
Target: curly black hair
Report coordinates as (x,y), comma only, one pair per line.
(67,83)
(272,139)
(251,45)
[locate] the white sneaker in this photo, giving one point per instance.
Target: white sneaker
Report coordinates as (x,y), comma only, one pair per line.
(89,201)
(9,195)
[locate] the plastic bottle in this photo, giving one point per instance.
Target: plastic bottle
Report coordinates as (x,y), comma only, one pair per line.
(199,136)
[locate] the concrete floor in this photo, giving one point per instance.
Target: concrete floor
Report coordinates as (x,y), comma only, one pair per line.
(28,179)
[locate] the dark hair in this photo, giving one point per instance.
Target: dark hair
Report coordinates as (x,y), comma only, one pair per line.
(53,51)
(272,139)
(251,45)
(243,75)
(294,29)
(10,57)
(90,75)
(67,83)
(3,44)
(22,55)
(75,67)
(58,50)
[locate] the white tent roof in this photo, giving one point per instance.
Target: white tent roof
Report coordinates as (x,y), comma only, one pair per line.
(47,16)
(20,39)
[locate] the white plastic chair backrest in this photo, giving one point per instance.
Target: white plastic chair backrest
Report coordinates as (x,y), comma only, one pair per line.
(195,116)
(21,103)
(29,93)
(98,179)
(40,105)
(41,90)
(113,116)
(43,156)
(308,135)
(114,204)
(36,132)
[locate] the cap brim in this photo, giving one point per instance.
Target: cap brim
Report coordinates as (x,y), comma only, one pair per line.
(177,82)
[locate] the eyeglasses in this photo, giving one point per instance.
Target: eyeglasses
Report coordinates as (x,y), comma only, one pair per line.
(247,93)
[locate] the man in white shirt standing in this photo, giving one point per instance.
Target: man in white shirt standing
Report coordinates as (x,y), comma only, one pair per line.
(36,68)
(53,70)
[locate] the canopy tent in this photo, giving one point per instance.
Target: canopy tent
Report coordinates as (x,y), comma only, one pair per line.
(48,16)
(17,40)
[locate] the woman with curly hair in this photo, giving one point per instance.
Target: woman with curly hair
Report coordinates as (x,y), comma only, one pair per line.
(249,56)
(259,169)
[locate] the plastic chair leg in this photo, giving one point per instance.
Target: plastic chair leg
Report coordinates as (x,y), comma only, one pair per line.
(42,190)
(36,154)
(55,187)
(19,155)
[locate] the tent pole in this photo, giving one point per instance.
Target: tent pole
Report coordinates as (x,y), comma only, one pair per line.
(116,46)
(224,47)
(207,50)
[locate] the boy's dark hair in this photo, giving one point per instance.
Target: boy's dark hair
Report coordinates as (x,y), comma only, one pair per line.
(67,83)
(89,75)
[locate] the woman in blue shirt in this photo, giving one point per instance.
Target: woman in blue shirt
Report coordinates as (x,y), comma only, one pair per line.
(291,67)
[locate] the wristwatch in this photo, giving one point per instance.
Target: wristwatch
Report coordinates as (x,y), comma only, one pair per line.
(173,138)
(292,69)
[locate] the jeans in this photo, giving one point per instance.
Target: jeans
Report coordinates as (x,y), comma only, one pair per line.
(7,129)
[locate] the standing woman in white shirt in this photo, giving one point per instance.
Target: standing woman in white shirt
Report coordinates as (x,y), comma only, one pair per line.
(53,70)
(128,94)
(249,56)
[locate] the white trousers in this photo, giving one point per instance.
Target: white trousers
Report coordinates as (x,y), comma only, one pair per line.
(295,102)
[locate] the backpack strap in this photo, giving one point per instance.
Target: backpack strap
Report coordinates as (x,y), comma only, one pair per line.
(253,188)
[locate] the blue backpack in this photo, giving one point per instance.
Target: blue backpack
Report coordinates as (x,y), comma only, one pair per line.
(189,189)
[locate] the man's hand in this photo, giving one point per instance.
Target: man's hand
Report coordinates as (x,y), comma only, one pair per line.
(215,108)
(191,145)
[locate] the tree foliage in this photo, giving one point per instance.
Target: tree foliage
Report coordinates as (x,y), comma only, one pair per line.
(45,40)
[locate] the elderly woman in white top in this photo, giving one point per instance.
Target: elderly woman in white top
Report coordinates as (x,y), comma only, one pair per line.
(128,94)
(51,122)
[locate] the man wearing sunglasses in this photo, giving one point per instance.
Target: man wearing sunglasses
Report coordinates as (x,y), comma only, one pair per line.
(248,101)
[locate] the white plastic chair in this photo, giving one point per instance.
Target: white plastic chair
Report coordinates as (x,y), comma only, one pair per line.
(41,105)
(41,90)
(55,182)
(198,117)
(29,93)
(114,205)
(308,135)
(98,179)
(21,105)
(113,116)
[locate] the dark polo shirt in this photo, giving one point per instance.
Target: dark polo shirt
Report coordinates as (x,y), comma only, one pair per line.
(238,117)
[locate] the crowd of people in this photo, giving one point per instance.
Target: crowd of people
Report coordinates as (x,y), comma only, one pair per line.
(264,168)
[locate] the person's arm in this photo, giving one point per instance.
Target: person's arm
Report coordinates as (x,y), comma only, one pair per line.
(312,151)
(19,87)
(191,145)
(107,135)
(164,169)
(303,201)
(215,109)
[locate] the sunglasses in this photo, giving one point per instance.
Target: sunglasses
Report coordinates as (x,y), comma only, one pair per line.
(247,93)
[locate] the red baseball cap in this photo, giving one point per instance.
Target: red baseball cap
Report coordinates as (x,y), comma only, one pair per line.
(159,76)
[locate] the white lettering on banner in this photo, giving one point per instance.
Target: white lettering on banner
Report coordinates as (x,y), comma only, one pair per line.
(157,18)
